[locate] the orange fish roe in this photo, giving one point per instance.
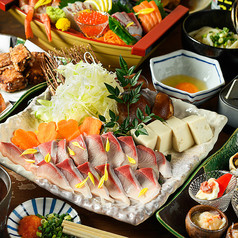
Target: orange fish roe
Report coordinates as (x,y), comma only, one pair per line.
(28,226)
(92,17)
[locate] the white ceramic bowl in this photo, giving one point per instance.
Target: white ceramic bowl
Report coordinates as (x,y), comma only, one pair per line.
(42,206)
(191,64)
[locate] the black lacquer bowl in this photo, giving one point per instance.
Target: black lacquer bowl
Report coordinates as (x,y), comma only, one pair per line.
(228,58)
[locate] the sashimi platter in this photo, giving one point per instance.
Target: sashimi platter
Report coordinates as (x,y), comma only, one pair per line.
(106,142)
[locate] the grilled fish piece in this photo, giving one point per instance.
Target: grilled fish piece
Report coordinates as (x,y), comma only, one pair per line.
(5,61)
(34,72)
(20,57)
(11,80)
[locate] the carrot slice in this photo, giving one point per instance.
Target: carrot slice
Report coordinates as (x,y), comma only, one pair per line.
(25,139)
(157,11)
(47,132)
(68,129)
(90,126)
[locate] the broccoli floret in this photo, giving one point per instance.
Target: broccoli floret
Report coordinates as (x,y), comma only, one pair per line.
(55,13)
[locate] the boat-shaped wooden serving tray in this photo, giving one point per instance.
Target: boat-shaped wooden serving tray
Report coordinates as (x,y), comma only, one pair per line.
(106,53)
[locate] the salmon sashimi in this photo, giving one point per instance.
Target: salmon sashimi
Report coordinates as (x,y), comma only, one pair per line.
(156,11)
(152,15)
(150,20)
(145,20)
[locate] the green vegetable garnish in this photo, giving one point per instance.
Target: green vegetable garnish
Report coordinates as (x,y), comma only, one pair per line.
(52,225)
(121,31)
(55,13)
(132,96)
(222,37)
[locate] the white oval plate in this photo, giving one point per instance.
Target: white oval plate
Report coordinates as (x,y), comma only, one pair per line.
(42,206)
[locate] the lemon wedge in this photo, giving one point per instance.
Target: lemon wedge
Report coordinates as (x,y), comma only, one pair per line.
(100,5)
(109,6)
(94,4)
(105,5)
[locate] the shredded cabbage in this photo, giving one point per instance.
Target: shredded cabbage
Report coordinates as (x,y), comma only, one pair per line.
(83,94)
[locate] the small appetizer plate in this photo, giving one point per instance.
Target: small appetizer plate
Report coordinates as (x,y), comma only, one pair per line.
(222,202)
(195,230)
(234,202)
(42,206)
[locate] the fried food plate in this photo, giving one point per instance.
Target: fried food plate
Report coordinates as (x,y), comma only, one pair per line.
(182,165)
(13,99)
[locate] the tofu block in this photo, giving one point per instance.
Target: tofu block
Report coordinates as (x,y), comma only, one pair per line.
(164,135)
(200,128)
(182,137)
(146,140)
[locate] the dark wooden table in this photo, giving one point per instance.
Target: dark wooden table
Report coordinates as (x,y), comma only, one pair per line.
(24,189)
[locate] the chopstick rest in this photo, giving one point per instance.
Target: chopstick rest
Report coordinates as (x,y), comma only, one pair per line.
(83,231)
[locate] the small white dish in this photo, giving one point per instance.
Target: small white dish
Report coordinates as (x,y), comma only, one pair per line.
(42,206)
(191,64)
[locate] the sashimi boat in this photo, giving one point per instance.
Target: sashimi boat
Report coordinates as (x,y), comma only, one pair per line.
(106,53)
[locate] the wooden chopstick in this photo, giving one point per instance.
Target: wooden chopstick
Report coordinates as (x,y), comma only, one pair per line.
(83,231)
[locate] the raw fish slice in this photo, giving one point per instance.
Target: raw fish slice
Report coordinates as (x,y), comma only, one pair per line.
(116,156)
(129,148)
(96,152)
(147,158)
(38,157)
(50,172)
(113,184)
(129,23)
(147,179)
(101,192)
(74,177)
(62,153)
(129,182)
(48,148)
(14,154)
(163,165)
(81,151)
